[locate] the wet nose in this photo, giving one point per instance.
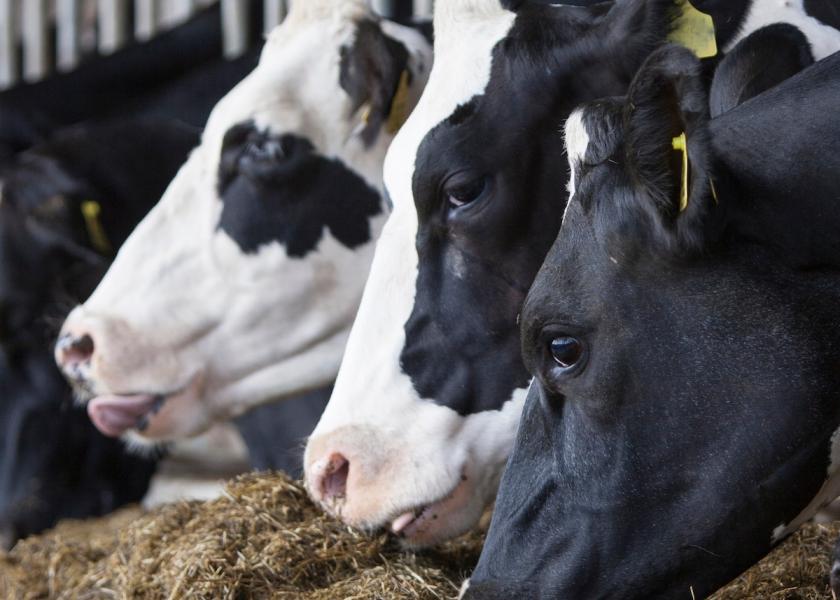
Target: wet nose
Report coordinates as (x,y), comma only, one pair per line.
(328,478)
(73,352)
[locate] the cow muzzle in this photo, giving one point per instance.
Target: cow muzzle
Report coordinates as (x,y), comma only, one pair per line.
(353,476)
(131,384)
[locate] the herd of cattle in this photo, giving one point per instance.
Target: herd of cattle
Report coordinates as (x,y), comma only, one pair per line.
(593,279)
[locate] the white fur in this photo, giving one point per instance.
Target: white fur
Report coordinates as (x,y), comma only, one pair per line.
(824,40)
(577,141)
(254,327)
(372,390)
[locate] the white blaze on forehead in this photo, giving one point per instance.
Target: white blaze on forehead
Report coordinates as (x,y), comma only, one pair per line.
(825,40)
(371,389)
(577,141)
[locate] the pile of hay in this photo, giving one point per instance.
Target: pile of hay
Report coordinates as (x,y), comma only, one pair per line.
(266,540)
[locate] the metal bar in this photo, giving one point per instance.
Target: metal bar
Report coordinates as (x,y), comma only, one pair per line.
(145,19)
(274,13)
(113,17)
(8,43)
(175,12)
(36,63)
(68,34)
(234,27)
(424,8)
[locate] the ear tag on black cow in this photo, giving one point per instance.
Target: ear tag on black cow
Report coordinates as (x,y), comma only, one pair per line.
(399,105)
(680,144)
(91,210)
(695,30)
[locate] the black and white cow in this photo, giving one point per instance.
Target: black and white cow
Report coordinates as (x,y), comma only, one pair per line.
(241,285)
(66,205)
(683,335)
(425,406)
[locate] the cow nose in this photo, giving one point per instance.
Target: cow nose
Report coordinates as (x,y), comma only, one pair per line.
(328,478)
(73,350)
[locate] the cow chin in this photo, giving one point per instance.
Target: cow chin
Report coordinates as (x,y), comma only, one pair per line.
(426,485)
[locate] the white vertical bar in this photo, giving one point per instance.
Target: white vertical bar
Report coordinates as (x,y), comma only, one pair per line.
(36,63)
(175,12)
(274,13)
(382,7)
(145,19)
(68,33)
(8,43)
(112,24)
(424,8)
(235,27)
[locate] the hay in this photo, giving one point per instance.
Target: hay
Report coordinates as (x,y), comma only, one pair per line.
(796,570)
(264,539)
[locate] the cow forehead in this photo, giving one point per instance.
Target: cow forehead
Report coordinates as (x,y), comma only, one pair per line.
(464,54)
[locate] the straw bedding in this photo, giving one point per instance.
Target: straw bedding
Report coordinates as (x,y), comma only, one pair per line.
(264,539)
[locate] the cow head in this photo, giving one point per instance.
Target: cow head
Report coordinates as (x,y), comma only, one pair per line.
(683,414)
(425,406)
(53,462)
(241,284)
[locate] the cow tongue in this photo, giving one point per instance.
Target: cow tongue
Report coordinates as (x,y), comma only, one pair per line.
(114,415)
(403,521)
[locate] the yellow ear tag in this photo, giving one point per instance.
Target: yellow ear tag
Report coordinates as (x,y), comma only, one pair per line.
(399,105)
(91,209)
(366,114)
(680,143)
(695,30)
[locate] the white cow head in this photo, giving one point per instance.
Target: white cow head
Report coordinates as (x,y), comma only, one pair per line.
(241,284)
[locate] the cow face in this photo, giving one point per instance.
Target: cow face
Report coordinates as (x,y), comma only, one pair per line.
(426,403)
(683,414)
(240,286)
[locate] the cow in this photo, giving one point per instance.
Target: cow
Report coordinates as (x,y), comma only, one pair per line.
(240,286)
(683,337)
(66,206)
(426,403)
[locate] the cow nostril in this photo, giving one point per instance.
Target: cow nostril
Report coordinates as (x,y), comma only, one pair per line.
(74,350)
(333,480)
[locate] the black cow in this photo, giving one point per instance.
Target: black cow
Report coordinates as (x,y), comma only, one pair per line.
(683,332)
(432,370)
(67,204)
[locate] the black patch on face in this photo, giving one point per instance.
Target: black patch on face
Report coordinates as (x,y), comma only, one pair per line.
(826,11)
(370,72)
(278,188)
(477,262)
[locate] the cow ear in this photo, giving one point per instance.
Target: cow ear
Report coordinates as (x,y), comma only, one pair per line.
(667,145)
(375,74)
(758,62)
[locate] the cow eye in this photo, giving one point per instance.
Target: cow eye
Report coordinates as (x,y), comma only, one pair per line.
(460,194)
(266,149)
(566,351)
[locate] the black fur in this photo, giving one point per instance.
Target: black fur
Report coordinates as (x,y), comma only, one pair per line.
(827,11)
(278,188)
(53,462)
(701,414)
(757,63)
(462,339)
(370,73)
